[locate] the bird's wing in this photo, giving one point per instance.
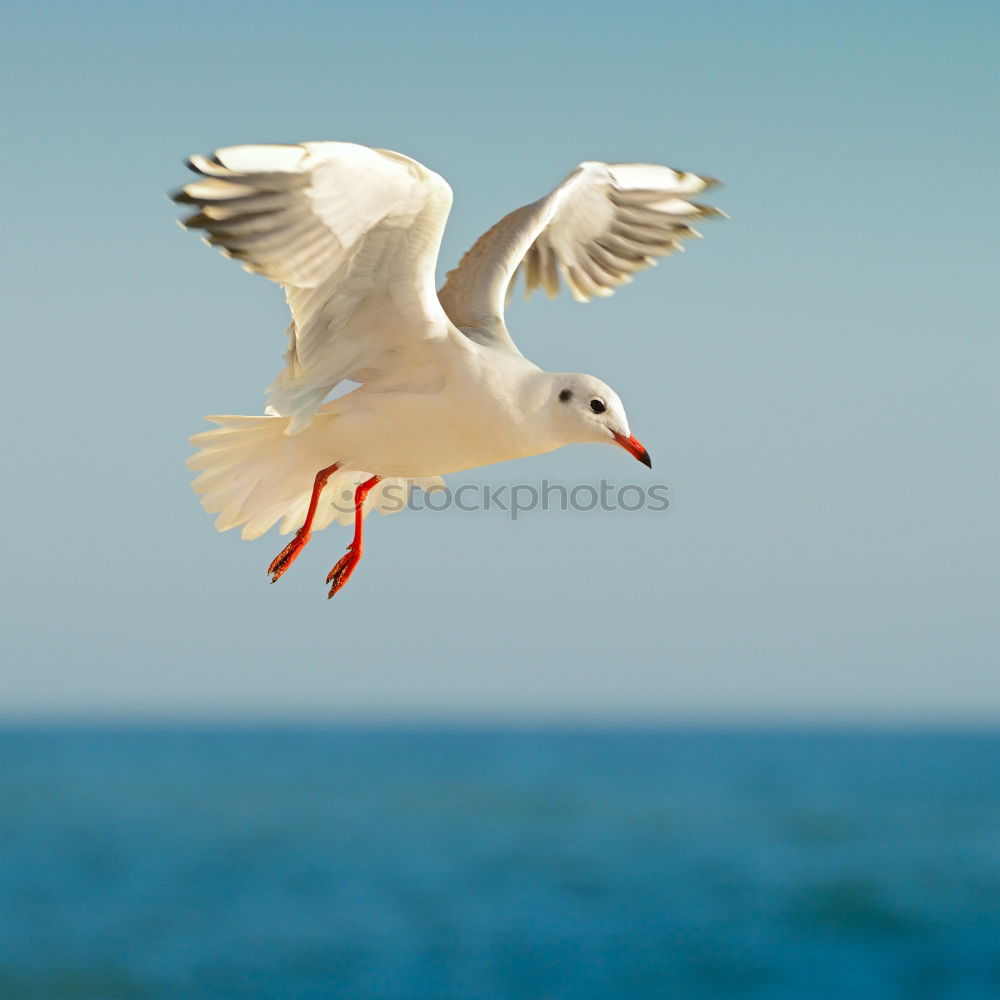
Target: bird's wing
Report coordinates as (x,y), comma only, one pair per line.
(602,224)
(352,234)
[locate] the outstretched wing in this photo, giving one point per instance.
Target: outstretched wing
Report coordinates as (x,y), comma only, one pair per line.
(352,235)
(600,226)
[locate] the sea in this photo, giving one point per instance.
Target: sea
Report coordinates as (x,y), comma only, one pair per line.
(209,863)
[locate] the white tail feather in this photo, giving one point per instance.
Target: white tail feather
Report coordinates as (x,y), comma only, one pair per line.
(251,472)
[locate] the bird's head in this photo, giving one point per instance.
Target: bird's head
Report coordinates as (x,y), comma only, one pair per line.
(585,410)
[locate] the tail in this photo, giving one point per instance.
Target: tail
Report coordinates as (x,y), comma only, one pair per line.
(252,473)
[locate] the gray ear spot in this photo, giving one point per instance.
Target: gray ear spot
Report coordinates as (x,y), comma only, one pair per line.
(566,395)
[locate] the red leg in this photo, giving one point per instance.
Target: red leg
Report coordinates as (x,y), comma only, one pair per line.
(341,573)
(291,551)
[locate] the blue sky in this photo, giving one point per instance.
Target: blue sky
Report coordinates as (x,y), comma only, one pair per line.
(815,380)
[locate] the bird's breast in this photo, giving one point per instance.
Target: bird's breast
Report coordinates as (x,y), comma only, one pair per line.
(433,434)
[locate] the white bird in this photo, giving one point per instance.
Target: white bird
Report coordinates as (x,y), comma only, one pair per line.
(352,235)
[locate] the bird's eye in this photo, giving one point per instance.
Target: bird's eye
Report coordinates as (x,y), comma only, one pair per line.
(597,405)
(565,395)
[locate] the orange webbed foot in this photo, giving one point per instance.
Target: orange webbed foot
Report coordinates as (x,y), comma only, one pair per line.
(342,571)
(288,555)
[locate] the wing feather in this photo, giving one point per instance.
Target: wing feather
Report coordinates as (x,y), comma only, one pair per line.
(352,235)
(604,223)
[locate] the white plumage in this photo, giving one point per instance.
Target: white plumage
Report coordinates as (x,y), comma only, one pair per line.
(352,235)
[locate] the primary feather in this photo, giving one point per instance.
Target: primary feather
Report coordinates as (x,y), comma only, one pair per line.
(600,226)
(352,235)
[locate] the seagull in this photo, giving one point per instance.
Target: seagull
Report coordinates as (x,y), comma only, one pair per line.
(352,235)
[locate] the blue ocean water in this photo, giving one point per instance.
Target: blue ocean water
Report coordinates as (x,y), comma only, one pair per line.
(307,863)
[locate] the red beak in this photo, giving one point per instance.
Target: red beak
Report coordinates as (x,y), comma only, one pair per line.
(635,449)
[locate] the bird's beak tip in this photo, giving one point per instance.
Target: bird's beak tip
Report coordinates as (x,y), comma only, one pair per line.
(634,448)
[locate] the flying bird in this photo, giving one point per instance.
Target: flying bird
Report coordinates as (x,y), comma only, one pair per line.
(352,235)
